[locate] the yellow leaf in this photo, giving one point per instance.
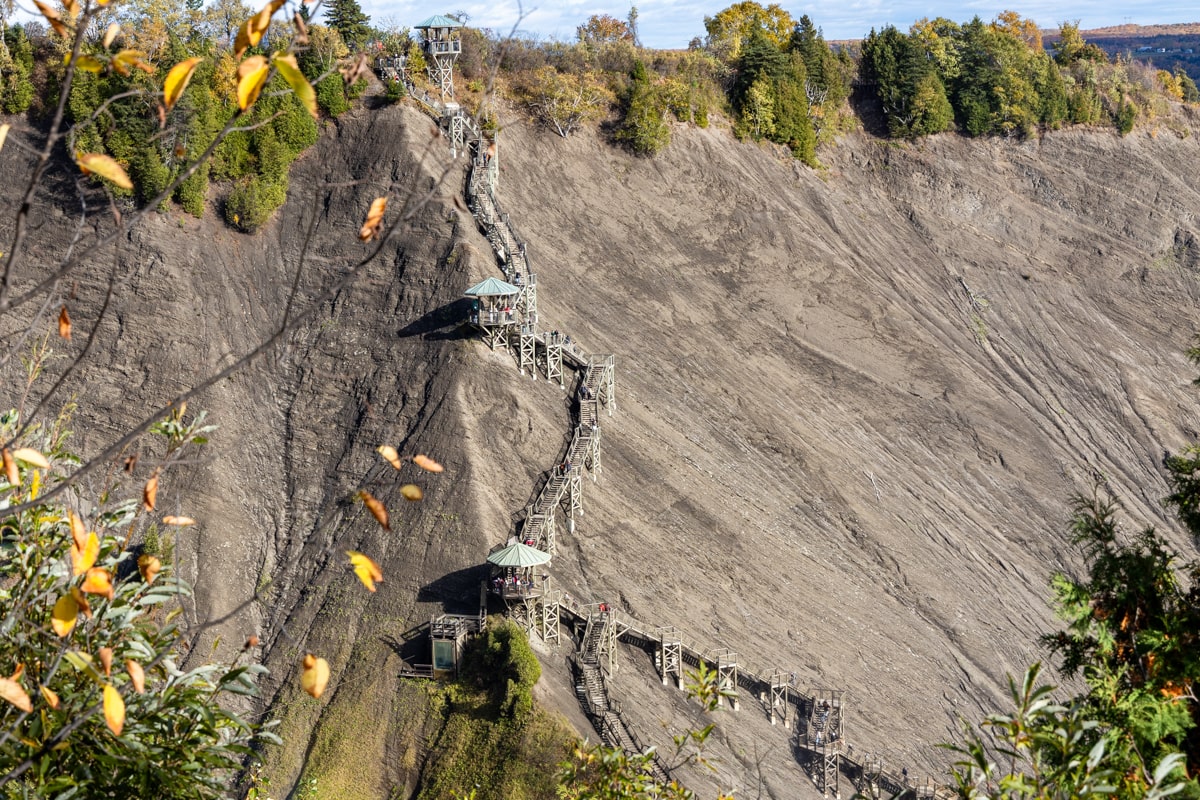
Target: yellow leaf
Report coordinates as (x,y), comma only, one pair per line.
(412,493)
(252,30)
(89,63)
(66,611)
(137,676)
(367,570)
(35,484)
(291,73)
(390,455)
(252,76)
(150,492)
(3,135)
(50,696)
(315,676)
(106,655)
(98,581)
(177,80)
(426,463)
(11,691)
(31,456)
(111,33)
(179,522)
(374,223)
(105,167)
(78,531)
(52,17)
(10,468)
(84,558)
(377,509)
(149,566)
(114,710)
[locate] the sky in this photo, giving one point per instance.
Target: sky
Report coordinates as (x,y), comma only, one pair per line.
(673,23)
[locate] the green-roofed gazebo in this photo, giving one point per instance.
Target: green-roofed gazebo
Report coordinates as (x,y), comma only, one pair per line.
(519,554)
(493,287)
(513,577)
(495,306)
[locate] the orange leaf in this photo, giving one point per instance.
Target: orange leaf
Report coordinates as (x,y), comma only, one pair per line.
(10,468)
(367,570)
(390,455)
(31,456)
(52,17)
(376,508)
(178,522)
(11,691)
(114,710)
(50,696)
(150,492)
(81,601)
(105,167)
(111,33)
(137,676)
(72,7)
(106,655)
(374,224)
(64,324)
(66,612)
(315,676)
(412,493)
(125,59)
(98,581)
(78,531)
(84,558)
(426,463)
(177,80)
(252,76)
(149,566)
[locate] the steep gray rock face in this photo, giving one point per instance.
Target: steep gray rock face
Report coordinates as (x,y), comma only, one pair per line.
(852,406)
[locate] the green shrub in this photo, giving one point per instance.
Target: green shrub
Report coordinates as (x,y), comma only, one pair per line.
(395,91)
(331,96)
(1126,117)
(16,68)
(192,193)
(295,129)
(253,201)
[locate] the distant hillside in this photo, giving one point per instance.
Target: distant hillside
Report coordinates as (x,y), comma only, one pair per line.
(1164,46)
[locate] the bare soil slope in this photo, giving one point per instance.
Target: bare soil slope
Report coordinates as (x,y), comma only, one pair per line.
(852,407)
(855,403)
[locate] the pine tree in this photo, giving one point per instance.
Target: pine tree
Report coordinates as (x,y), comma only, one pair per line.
(348,19)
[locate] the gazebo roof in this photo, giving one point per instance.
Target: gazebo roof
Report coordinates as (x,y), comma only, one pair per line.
(439,21)
(492,287)
(518,554)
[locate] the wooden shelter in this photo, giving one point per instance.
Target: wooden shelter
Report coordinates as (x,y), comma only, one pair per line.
(442,45)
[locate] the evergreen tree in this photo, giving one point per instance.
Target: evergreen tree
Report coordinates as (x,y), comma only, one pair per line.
(348,19)
(645,127)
